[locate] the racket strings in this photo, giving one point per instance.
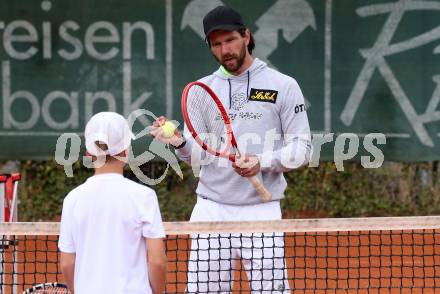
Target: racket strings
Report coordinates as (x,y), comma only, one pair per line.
(52,290)
(48,288)
(206,118)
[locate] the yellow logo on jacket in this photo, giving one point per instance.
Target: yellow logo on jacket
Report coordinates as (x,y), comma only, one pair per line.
(263,95)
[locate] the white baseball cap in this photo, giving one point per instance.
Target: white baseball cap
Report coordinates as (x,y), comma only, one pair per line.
(110,128)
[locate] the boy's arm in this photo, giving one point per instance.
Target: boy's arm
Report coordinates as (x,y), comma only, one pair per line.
(157,264)
(67,263)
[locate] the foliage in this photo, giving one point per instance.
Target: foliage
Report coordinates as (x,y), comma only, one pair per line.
(394,189)
(43,187)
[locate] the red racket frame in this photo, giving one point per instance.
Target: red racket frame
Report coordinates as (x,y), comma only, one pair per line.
(265,195)
(230,135)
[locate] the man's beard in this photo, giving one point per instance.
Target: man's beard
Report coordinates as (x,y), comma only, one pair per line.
(239,59)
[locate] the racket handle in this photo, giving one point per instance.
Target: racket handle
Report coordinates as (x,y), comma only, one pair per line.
(260,188)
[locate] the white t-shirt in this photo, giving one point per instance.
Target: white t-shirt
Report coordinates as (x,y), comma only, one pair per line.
(104,222)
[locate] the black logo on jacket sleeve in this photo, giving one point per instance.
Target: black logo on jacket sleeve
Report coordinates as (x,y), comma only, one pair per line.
(300,108)
(263,95)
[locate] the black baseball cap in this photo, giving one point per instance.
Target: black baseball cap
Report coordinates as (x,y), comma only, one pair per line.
(222,18)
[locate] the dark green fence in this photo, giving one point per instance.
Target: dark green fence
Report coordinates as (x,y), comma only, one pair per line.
(364,66)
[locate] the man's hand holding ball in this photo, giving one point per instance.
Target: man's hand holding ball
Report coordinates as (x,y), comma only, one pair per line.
(166,132)
(168,129)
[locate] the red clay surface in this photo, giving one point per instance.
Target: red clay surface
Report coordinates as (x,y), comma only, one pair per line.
(317,263)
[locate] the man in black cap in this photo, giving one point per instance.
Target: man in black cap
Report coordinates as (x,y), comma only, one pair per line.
(267,108)
(230,38)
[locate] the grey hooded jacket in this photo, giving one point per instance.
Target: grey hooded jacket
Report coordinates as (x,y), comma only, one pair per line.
(269,120)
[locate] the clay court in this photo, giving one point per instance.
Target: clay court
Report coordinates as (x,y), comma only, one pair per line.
(323,262)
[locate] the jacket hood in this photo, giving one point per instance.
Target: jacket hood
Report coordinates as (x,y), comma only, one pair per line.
(256,66)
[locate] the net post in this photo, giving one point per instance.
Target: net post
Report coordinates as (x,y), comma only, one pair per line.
(3,179)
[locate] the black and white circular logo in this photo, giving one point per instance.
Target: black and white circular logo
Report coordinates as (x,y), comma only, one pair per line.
(238,101)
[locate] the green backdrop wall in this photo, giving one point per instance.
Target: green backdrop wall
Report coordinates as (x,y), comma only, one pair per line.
(364,66)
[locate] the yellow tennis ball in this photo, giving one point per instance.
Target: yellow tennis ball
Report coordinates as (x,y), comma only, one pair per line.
(168,129)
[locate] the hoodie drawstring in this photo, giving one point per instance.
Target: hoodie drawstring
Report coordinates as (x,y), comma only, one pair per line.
(230,93)
(247,89)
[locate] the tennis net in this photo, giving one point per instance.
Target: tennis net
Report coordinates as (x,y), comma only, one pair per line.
(358,255)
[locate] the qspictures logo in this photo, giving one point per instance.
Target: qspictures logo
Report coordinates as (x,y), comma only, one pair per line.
(298,150)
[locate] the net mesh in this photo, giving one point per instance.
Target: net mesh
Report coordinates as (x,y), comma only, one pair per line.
(377,255)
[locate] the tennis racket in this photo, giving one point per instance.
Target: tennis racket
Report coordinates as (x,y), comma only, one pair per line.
(209,124)
(48,288)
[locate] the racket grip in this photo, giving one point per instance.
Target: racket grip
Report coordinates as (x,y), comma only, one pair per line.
(260,188)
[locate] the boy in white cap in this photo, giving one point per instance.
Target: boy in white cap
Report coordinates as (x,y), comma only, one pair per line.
(111,238)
